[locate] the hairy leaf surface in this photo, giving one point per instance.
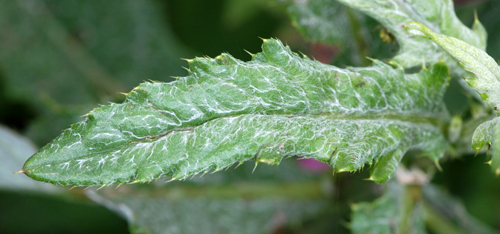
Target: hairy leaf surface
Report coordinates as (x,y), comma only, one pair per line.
(228,111)
(232,201)
(486,71)
(322,23)
(486,80)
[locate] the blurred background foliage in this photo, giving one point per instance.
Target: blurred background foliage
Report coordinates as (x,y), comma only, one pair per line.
(61,58)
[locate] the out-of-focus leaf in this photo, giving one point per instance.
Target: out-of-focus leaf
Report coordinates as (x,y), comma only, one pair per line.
(129,38)
(40,62)
(438,15)
(67,54)
(330,22)
(261,204)
(14,150)
(38,55)
(411,208)
(445,214)
(228,111)
(395,212)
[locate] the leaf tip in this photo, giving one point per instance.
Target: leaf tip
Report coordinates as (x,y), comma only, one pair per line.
(264,40)
(343,170)
(19,172)
(417,29)
(248,52)
(371,59)
(438,166)
(173,179)
(255,167)
(187,60)
(477,151)
(423,63)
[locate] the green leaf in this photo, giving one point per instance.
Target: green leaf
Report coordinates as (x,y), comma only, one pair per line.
(486,80)
(228,111)
(242,202)
(395,212)
(328,21)
(446,214)
(488,133)
(410,209)
(486,72)
(321,20)
(63,57)
(439,15)
(131,39)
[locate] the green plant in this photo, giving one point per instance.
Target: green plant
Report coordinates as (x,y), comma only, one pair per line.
(282,104)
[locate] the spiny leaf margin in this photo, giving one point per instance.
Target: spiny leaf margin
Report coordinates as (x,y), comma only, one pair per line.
(227,111)
(488,133)
(485,70)
(486,80)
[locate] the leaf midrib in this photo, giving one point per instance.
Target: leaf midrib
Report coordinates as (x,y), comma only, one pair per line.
(409,118)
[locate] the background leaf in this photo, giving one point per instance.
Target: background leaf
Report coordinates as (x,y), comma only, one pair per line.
(397,211)
(439,15)
(14,151)
(43,205)
(355,34)
(63,57)
(233,201)
(412,208)
(441,205)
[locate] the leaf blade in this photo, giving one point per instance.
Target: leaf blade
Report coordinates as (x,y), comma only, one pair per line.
(228,111)
(471,58)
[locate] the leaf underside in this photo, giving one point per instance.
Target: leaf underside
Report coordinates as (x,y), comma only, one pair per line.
(228,111)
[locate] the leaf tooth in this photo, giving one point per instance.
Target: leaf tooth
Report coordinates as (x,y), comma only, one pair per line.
(201,66)
(248,52)
(20,171)
(385,167)
(438,165)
